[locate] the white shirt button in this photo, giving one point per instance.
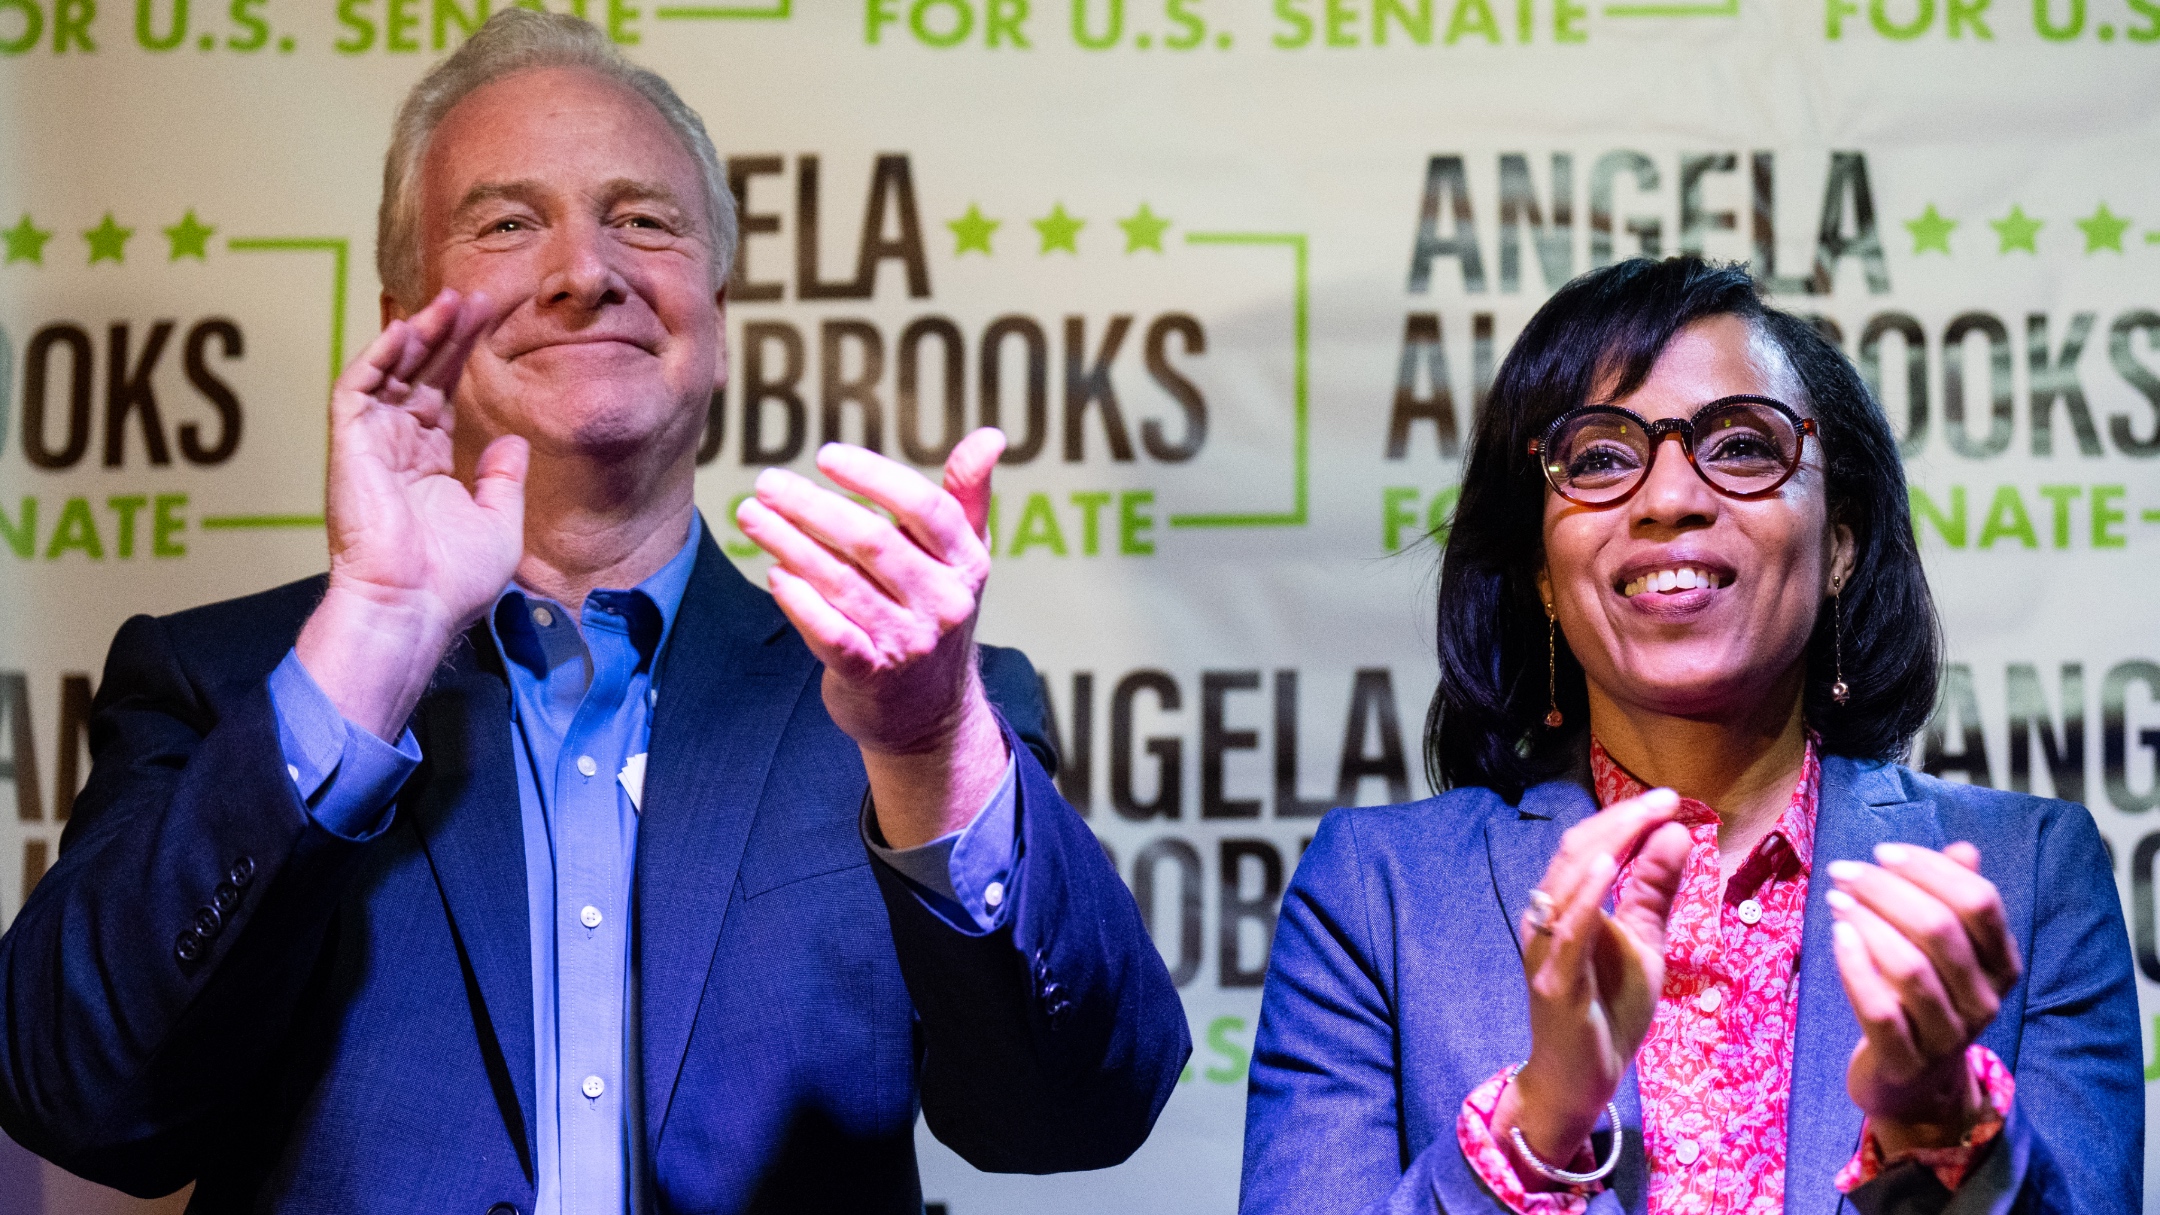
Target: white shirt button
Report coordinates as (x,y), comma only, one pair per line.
(543,617)
(590,917)
(994,894)
(1708,1001)
(1684,1151)
(594,1086)
(586,765)
(293,770)
(1750,911)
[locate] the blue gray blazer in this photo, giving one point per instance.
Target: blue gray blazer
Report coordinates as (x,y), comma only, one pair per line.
(357,1037)
(1396,987)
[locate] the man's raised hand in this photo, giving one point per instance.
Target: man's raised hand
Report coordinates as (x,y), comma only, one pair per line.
(415,554)
(889,606)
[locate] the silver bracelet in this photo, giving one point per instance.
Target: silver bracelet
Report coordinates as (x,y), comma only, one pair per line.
(1562,1176)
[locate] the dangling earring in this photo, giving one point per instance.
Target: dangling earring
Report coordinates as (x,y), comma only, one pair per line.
(1839,693)
(1553,717)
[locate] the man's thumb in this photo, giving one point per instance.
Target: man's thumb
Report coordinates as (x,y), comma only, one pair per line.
(499,477)
(967,474)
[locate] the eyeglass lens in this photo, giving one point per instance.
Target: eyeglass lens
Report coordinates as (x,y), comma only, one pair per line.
(1740,447)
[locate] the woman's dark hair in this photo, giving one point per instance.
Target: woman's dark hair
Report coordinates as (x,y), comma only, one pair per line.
(1486,724)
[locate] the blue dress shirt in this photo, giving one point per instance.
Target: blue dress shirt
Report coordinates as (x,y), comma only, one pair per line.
(582,694)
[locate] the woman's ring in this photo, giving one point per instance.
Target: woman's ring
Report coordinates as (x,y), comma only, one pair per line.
(1541,909)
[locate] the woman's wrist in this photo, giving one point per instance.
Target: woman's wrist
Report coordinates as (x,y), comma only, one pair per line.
(1554,1115)
(1941,1119)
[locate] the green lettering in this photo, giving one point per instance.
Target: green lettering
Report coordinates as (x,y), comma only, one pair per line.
(2044,21)
(75,531)
(1395,514)
(1291,14)
(398,26)
(619,18)
(447,11)
(1131,523)
(1440,514)
(362,38)
(1090,521)
(127,506)
(1472,17)
(165,523)
(1417,25)
(1219,1041)
(2007,518)
(21,537)
(2104,517)
(1038,527)
(2060,495)
(175,32)
(1958,14)
(1879,16)
(1951,526)
(1339,18)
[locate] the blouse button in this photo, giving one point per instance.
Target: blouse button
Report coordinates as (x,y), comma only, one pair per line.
(1709,1000)
(1686,1151)
(1750,911)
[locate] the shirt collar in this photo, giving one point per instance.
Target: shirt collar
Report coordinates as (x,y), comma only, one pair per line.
(1795,829)
(649,608)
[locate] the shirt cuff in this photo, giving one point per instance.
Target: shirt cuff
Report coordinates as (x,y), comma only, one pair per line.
(1481,1148)
(1949,1164)
(970,870)
(345,776)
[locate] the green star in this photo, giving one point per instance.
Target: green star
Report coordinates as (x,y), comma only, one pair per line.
(1930,231)
(2103,231)
(26,242)
(190,237)
(972,231)
(1059,230)
(108,240)
(2017,230)
(1144,230)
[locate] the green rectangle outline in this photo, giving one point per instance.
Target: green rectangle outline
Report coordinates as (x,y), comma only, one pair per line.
(1301,400)
(1730,8)
(340,250)
(724,12)
(229,523)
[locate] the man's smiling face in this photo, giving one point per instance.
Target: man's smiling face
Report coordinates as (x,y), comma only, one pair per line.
(567,200)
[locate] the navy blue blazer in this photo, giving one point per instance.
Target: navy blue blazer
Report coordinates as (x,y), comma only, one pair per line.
(1396,986)
(357,1036)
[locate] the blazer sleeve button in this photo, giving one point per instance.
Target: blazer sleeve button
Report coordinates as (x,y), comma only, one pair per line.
(503,1208)
(242,871)
(208,922)
(189,946)
(225,897)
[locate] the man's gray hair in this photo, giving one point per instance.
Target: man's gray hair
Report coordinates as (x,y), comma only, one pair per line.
(518,40)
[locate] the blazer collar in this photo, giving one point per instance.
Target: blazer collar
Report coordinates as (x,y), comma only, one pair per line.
(1520,842)
(734,671)
(1863,803)
(465,809)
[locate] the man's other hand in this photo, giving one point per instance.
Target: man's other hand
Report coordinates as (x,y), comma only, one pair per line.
(415,554)
(889,606)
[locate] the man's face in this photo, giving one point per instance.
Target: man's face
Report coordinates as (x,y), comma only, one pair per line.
(567,200)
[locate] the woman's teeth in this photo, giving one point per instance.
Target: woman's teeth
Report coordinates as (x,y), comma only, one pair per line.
(1678,578)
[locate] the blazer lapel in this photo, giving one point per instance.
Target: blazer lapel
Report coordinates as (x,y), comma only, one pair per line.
(467,814)
(1861,804)
(729,682)
(1519,848)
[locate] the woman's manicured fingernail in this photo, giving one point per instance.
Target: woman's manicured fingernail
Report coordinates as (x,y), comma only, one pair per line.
(1840,901)
(1845,871)
(1892,854)
(1845,934)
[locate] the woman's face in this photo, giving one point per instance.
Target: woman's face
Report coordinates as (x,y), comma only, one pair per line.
(1760,569)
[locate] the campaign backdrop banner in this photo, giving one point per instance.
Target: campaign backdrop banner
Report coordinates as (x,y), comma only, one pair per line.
(1234,275)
